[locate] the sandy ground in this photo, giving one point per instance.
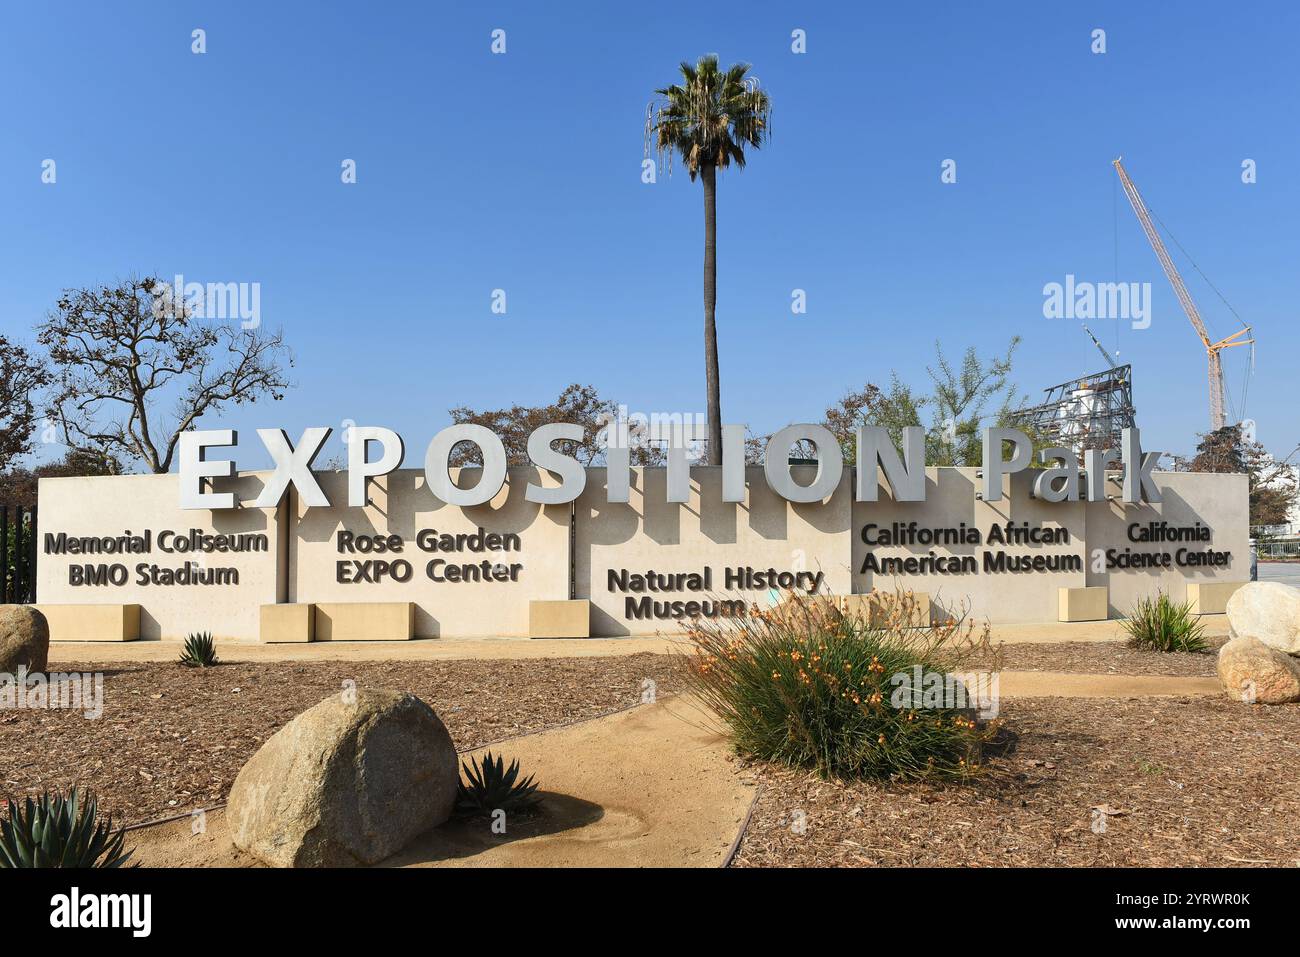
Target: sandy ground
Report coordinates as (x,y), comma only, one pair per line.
(673,798)
(1062,684)
(452,649)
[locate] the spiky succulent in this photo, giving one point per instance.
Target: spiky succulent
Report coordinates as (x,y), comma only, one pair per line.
(489,786)
(58,831)
(1161,624)
(200,650)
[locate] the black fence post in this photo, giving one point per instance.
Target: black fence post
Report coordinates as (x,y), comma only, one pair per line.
(20,585)
(31,559)
(18,545)
(4,554)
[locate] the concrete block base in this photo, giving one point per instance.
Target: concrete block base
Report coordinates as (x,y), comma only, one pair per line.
(1211,598)
(802,608)
(559,619)
(877,607)
(92,622)
(1083,604)
(282,623)
(365,621)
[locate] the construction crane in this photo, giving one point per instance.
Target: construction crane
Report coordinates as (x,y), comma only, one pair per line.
(1217,418)
(1100,347)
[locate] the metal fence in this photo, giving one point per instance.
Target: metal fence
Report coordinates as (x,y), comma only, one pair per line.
(1285,549)
(17,555)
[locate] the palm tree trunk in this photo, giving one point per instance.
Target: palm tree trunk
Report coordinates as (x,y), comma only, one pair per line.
(708,174)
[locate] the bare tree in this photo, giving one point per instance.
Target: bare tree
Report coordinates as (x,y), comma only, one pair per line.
(121,351)
(1272,484)
(578,404)
(22,375)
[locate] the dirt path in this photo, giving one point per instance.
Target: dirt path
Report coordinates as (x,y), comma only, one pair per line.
(673,798)
(1060,684)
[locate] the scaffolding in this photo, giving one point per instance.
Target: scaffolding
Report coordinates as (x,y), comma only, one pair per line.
(1090,412)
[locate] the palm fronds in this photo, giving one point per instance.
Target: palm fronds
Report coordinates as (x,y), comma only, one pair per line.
(710,117)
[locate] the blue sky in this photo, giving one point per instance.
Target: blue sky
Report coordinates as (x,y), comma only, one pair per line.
(522,172)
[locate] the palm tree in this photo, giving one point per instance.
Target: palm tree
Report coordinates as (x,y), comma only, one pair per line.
(708,119)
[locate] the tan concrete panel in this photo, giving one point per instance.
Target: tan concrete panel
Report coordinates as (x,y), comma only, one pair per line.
(283,623)
(648,533)
(92,622)
(559,619)
(1211,598)
(878,607)
(531,564)
(110,506)
(364,621)
(1083,604)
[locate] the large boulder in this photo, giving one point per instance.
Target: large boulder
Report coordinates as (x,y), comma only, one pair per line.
(24,639)
(348,782)
(1253,672)
(1269,611)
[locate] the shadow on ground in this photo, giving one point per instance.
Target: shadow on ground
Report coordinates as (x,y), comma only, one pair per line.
(468,837)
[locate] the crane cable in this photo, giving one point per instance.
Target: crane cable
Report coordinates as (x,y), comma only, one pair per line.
(1114,215)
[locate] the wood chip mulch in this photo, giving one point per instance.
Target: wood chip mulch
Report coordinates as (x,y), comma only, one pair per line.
(172,739)
(1146,782)
(1107,658)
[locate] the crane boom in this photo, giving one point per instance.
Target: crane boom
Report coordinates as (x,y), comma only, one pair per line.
(1100,347)
(1217,417)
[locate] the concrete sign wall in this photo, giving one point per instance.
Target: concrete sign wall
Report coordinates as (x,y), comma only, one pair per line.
(470,571)
(1199,532)
(1005,560)
(646,565)
(125,540)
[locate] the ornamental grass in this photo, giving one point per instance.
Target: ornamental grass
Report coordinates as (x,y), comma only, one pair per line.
(807,685)
(1164,625)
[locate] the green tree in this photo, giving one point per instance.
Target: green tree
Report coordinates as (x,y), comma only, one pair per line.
(708,119)
(957,406)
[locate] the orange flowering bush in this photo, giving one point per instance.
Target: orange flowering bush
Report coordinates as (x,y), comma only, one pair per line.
(807,685)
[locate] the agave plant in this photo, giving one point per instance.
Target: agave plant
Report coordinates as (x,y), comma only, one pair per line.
(489,786)
(200,650)
(55,831)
